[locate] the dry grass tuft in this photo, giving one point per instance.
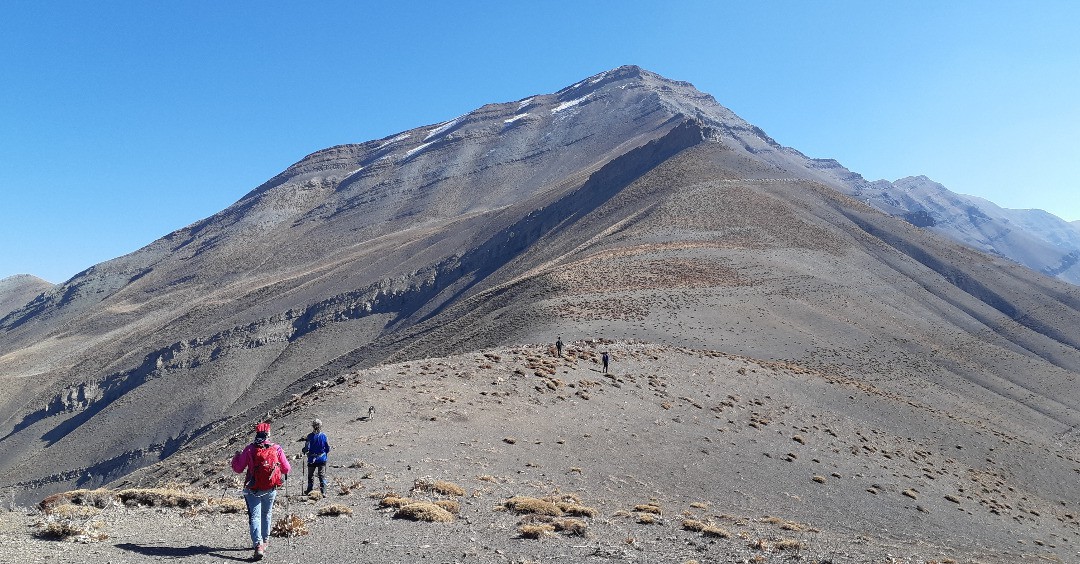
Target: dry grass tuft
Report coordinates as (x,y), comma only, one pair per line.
(536,531)
(714,531)
(572,527)
(441,487)
(289,526)
(424,511)
(315,495)
(230,505)
(97,498)
(693,525)
(647,518)
(576,509)
(160,497)
(449,505)
(649,508)
(335,510)
(787,544)
(58,528)
(394,500)
(533,505)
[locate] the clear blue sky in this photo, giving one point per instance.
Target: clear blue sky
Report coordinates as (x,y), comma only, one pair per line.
(123,121)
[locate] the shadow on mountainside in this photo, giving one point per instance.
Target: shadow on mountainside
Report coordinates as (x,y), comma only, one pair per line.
(182,552)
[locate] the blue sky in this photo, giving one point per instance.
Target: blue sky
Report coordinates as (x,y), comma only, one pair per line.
(123,121)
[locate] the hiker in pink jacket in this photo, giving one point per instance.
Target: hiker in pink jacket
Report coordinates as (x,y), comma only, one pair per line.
(267,467)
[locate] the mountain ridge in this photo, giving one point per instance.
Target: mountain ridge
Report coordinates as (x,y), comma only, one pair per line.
(604,209)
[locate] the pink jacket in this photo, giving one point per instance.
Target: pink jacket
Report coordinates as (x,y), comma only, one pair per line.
(245,458)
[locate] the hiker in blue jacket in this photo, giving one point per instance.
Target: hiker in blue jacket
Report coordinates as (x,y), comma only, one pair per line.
(316,447)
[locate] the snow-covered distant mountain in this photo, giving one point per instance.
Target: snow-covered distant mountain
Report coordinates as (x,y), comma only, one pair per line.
(1035,238)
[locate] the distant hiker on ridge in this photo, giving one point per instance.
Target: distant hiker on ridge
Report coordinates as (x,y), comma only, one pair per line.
(316,447)
(604,359)
(558,346)
(267,467)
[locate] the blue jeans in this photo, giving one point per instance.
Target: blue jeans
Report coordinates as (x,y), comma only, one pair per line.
(260,506)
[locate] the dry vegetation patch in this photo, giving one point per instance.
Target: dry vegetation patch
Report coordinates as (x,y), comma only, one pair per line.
(424,511)
(533,505)
(335,510)
(536,530)
(97,498)
(161,497)
(289,526)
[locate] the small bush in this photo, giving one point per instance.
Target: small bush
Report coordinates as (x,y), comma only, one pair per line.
(97,498)
(57,528)
(394,500)
(787,544)
(536,531)
(424,511)
(572,527)
(646,518)
(693,525)
(449,505)
(160,497)
(714,531)
(442,487)
(289,526)
(533,505)
(335,510)
(649,508)
(575,509)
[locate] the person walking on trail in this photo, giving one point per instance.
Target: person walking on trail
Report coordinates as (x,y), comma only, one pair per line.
(558,346)
(316,447)
(604,359)
(267,467)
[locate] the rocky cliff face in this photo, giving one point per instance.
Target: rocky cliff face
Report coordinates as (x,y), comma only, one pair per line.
(618,206)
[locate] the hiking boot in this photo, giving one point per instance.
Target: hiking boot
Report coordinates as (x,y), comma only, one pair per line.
(260,551)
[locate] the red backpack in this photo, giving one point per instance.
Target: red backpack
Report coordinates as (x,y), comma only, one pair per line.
(265,467)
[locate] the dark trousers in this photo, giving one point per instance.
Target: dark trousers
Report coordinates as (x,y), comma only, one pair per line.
(311,469)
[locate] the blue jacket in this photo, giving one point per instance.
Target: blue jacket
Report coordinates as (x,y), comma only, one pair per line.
(316,447)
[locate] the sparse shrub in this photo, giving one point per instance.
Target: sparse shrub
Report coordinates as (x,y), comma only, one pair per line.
(787,544)
(575,509)
(536,531)
(441,487)
(424,511)
(335,510)
(97,498)
(699,505)
(289,526)
(449,505)
(533,505)
(394,500)
(649,508)
(315,495)
(819,479)
(74,512)
(230,505)
(572,527)
(714,531)
(693,525)
(63,528)
(160,497)
(345,488)
(646,518)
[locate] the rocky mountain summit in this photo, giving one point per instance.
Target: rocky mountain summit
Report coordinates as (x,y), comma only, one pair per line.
(16,291)
(627,208)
